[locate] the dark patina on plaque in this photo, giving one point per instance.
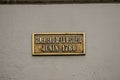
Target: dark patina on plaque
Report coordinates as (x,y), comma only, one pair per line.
(70,43)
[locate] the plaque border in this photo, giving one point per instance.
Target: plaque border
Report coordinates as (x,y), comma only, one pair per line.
(57,54)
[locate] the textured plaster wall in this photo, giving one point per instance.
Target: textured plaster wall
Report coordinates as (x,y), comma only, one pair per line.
(101,22)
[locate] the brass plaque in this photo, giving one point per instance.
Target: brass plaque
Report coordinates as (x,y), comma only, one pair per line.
(69,43)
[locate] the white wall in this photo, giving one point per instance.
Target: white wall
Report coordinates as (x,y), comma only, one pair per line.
(100,22)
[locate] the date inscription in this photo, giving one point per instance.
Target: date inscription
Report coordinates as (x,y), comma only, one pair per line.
(58,43)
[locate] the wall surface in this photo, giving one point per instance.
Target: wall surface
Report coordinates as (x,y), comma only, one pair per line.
(100,22)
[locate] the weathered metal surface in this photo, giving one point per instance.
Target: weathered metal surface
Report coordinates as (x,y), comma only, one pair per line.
(58,43)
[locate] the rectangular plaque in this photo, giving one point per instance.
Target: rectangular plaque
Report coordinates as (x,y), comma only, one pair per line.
(68,43)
